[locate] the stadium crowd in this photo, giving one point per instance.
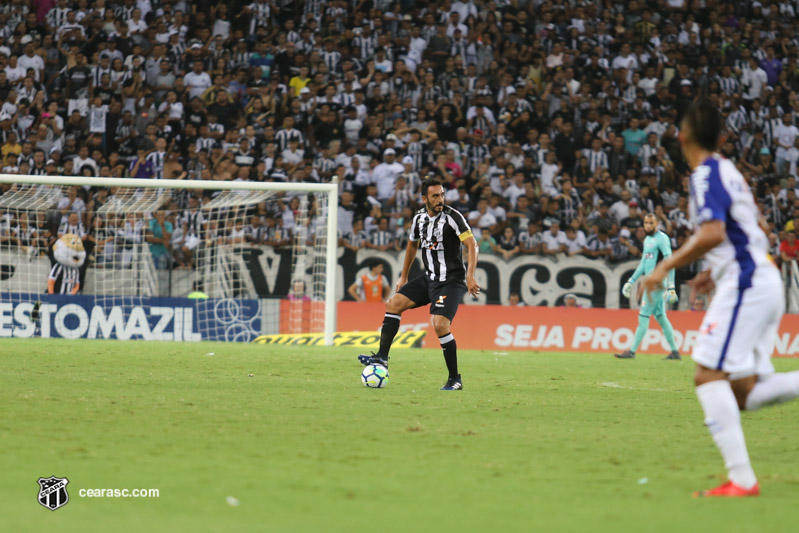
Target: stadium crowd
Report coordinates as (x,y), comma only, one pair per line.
(554,124)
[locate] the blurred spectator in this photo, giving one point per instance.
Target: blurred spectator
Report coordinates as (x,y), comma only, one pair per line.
(514,300)
(159,238)
(789,248)
(486,243)
(530,241)
(372,286)
(553,241)
(508,245)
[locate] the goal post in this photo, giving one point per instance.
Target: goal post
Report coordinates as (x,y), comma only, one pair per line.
(313,246)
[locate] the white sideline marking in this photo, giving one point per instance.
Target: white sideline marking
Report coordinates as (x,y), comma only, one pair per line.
(614,385)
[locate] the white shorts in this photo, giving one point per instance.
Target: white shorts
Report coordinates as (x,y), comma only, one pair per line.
(192,242)
(739,330)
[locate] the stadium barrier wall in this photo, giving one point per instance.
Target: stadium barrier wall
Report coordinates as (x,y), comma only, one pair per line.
(126,318)
(558,329)
(538,280)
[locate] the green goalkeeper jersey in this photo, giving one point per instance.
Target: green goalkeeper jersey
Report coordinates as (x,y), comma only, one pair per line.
(656,247)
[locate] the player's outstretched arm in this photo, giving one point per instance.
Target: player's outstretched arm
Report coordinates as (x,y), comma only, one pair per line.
(628,287)
(471,265)
(710,235)
(410,257)
(664,244)
(701,284)
(353,291)
(665,248)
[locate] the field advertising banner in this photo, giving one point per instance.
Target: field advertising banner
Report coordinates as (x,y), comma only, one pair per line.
(551,329)
(127,318)
(356,339)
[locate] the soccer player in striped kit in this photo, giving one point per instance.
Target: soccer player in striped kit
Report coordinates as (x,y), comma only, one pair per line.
(440,232)
(739,330)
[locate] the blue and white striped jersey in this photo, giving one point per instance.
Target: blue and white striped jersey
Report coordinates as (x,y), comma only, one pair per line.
(719,192)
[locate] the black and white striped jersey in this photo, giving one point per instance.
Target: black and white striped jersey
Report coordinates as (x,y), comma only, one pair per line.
(367,45)
(283,135)
(356,239)
(204,144)
(57,17)
(324,166)
(381,238)
(439,239)
(76,229)
(97,74)
(475,154)
(416,151)
(596,159)
(332,60)
(70,277)
(194,221)
(769,127)
(729,85)
(261,15)
(157,159)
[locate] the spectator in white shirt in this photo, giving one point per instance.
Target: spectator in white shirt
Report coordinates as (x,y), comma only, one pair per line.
(464,9)
(621,208)
(575,241)
(549,171)
(136,24)
(754,80)
(72,203)
(293,155)
(626,60)
(481,218)
(554,241)
(14,72)
(29,60)
(515,190)
(496,209)
(385,174)
(784,135)
(792,157)
(197,81)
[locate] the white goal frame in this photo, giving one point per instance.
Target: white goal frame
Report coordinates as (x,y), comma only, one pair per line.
(330,189)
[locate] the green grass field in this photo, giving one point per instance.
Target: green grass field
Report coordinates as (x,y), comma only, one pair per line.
(535,442)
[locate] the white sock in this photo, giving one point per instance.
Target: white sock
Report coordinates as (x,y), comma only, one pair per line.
(773,389)
(723,419)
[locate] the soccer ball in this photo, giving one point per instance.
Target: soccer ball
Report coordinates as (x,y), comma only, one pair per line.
(375,376)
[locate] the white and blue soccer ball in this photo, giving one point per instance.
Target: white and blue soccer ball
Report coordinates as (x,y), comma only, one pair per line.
(375,376)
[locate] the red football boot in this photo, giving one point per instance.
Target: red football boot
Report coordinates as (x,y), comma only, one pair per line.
(728,490)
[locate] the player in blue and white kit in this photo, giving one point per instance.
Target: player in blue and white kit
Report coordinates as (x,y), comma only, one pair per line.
(737,337)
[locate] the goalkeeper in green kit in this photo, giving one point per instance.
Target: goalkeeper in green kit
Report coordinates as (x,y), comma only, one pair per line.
(656,246)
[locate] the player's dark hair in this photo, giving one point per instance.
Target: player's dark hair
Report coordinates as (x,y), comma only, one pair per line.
(705,124)
(426,184)
(651,215)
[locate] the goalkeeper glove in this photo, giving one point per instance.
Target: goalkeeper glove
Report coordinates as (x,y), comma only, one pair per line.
(672,296)
(627,289)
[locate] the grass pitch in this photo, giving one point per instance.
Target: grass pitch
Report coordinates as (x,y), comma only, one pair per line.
(535,442)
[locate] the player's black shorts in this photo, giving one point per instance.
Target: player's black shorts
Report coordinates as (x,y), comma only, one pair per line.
(443,296)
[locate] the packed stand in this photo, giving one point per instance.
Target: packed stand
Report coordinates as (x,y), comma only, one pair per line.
(554,124)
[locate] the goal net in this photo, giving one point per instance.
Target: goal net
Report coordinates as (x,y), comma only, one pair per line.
(166,259)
